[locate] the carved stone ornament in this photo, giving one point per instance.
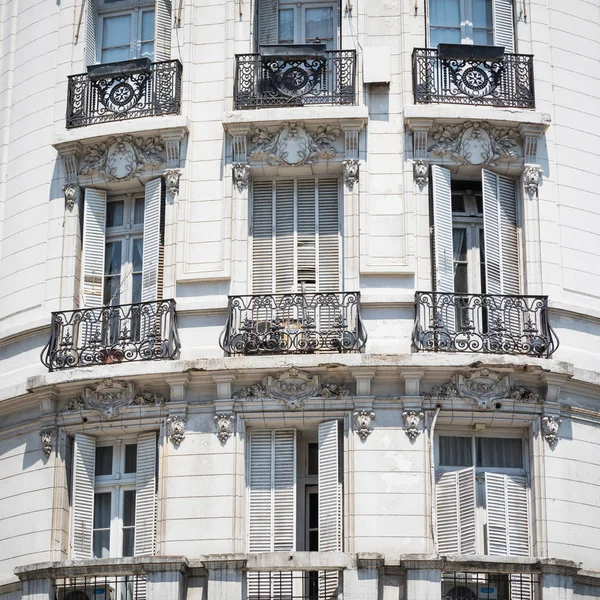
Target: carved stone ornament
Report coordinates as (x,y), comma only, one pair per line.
(550,427)
(351,171)
(475,143)
(484,388)
(176,429)
(420,173)
(47,436)
(224,423)
(292,145)
(363,420)
(123,157)
(412,420)
(252,391)
(332,390)
(111,396)
(532,176)
(72,194)
(172,181)
(241,175)
(292,387)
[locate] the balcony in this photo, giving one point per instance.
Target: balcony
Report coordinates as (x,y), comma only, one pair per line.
(293,585)
(295,75)
(126,90)
(101,587)
(490,586)
(112,334)
(480,75)
(492,324)
(294,324)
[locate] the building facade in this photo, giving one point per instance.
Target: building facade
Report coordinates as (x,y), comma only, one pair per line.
(299,300)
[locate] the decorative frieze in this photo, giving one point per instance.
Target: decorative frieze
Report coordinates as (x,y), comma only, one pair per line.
(332,390)
(484,388)
(241,175)
(412,423)
(47,437)
(293,145)
(224,423)
(475,143)
(363,423)
(112,396)
(252,391)
(176,429)
(550,427)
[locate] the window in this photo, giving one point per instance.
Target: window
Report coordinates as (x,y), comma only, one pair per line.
(295,236)
(118,30)
(481,22)
(482,496)
(293,22)
(114,497)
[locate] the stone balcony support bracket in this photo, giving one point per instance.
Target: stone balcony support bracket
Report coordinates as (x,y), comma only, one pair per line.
(225,576)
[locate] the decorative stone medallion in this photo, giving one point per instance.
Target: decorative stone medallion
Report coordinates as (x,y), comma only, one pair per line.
(412,421)
(363,420)
(176,429)
(224,423)
(550,427)
(292,387)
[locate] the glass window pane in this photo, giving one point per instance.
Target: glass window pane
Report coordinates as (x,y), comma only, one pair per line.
(130,458)
(483,37)
(147,25)
(500,453)
(128,541)
(455,451)
(482,14)
(138,249)
(128,508)
(313,459)
(101,543)
(114,213)
(138,213)
(286,26)
(459,241)
(116,31)
(116,54)
(148,50)
(112,291)
(112,258)
(137,288)
(104,460)
(443,35)
(102,510)
(319,23)
(458,203)
(444,13)
(313,511)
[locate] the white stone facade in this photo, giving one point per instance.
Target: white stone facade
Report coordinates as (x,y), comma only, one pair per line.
(381,166)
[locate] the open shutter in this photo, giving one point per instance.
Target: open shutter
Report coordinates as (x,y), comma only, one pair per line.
(260,531)
(329,236)
(94,234)
(285,256)
(442,230)
(262,237)
(268,17)
(152,241)
(91,23)
(84,467)
(162,31)
(455,512)
(145,495)
(504,25)
(284,501)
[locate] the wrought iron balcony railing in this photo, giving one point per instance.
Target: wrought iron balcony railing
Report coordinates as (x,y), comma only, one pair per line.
(282,79)
(112,334)
(490,586)
(505,80)
(101,587)
(491,324)
(124,91)
(293,585)
(294,323)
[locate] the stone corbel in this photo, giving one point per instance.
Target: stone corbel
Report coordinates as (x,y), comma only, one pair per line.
(172,142)
(421,173)
(531,134)
(172,181)
(241,175)
(412,423)
(47,436)
(178,385)
(363,378)
(69,154)
(532,177)
(351,171)
(550,427)
(176,427)
(363,423)
(351,154)
(224,423)
(224,385)
(420,132)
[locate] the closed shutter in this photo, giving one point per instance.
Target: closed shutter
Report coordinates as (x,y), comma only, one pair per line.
(84,466)
(145,495)
(504,27)
(152,239)
(285,259)
(268,17)
(260,533)
(94,235)
(306,240)
(329,233)
(262,237)
(91,22)
(455,512)
(162,31)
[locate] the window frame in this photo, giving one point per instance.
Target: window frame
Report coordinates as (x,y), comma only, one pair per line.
(299,12)
(465,26)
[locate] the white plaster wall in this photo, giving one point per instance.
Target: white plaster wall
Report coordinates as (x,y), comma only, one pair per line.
(26,496)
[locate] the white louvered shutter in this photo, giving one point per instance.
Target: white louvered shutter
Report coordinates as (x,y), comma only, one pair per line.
(145,495)
(306,216)
(455,512)
(284,501)
(329,235)
(285,256)
(82,521)
(260,531)
(94,237)
(262,237)
(91,23)
(504,25)
(268,22)
(152,241)
(162,31)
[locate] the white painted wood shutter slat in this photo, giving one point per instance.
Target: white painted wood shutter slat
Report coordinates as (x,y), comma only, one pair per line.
(84,467)
(94,237)
(91,23)
(285,255)
(329,235)
(268,22)
(504,26)
(151,245)
(145,495)
(262,237)
(442,230)
(162,31)
(455,512)
(330,535)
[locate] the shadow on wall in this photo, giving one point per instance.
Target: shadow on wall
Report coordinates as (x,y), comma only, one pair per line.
(379,102)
